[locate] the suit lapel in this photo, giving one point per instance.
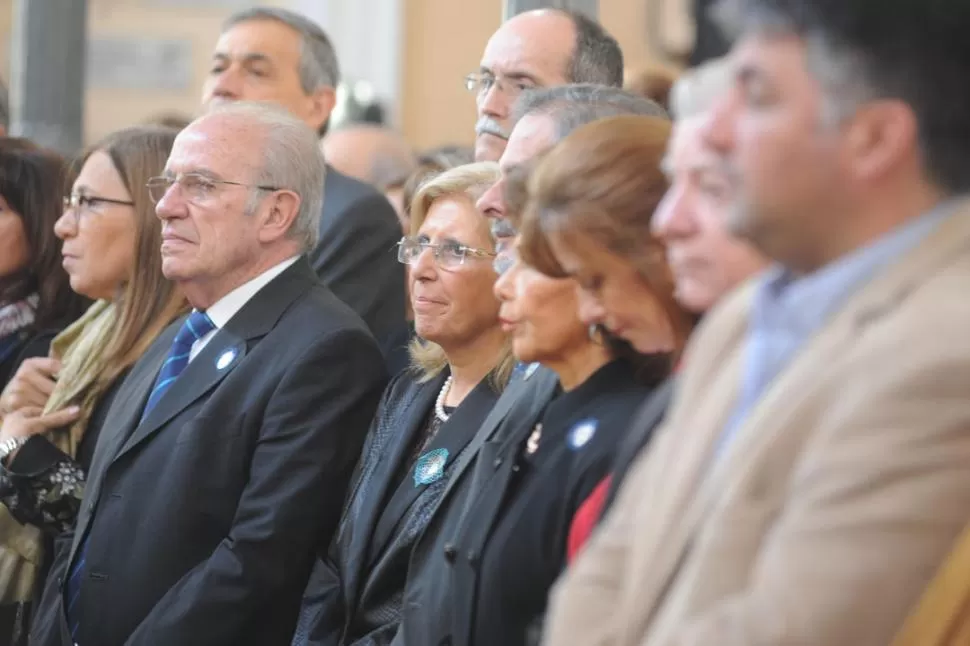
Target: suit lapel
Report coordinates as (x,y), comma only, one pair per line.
(533,389)
(414,411)
(453,436)
(684,469)
(202,375)
(224,351)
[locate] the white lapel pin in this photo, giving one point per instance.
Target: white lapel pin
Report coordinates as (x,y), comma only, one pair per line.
(581,433)
(225,359)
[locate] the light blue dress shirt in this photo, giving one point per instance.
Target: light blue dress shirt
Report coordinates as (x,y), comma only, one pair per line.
(788,310)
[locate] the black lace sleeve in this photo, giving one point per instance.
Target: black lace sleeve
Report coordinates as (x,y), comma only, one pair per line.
(42,486)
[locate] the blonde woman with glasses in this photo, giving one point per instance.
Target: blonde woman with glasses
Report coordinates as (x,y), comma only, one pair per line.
(461,362)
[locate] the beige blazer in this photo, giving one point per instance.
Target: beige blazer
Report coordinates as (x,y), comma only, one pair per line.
(839,496)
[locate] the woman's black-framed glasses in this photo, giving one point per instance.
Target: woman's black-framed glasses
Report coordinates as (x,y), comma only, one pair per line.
(447,255)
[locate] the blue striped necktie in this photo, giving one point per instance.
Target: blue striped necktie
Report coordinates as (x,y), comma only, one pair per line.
(195,327)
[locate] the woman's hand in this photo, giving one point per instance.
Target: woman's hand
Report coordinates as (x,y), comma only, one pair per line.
(31,386)
(29,421)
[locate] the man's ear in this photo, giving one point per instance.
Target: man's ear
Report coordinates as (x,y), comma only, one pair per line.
(322,103)
(883,134)
(279,215)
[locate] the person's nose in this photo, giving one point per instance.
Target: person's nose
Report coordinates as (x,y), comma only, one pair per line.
(674,215)
(66,226)
(491,204)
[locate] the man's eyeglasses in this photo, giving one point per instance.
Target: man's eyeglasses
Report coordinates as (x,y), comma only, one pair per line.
(194,186)
(447,255)
(481,84)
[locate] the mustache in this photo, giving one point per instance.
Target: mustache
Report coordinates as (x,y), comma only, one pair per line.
(489,126)
(502,228)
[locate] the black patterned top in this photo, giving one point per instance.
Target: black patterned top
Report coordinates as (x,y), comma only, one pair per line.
(42,486)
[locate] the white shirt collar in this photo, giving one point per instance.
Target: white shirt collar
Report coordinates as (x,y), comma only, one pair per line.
(226,307)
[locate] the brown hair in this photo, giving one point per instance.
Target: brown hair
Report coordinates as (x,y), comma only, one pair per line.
(149,301)
(604,182)
(32,181)
(470,181)
(654,83)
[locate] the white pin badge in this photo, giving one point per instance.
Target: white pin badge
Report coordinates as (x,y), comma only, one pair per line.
(581,433)
(225,359)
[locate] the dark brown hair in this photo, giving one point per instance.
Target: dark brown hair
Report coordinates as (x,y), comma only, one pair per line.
(604,182)
(149,301)
(32,181)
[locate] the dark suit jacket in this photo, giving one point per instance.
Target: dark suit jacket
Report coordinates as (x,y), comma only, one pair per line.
(387,511)
(511,547)
(427,609)
(202,521)
(648,417)
(356,258)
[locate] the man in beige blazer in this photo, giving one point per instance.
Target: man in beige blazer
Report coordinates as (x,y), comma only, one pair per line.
(815,467)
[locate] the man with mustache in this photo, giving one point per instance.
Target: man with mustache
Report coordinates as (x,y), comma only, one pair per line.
(537,49)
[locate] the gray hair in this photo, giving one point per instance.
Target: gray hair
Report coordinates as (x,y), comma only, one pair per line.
(695,92)
(841,72)
(4,107)
(318,59)
(597,57)
(291,159)
(573,106)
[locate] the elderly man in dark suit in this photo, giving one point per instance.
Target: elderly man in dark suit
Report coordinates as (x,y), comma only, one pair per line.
(222,468)
(277,56)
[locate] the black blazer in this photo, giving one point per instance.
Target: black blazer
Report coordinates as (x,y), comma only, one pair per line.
(427,609)
(512,545)
(387,510)
(356,258)
(646,419)
(202,521)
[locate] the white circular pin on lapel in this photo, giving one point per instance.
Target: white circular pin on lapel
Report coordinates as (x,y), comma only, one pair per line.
(581,433)
(225,359)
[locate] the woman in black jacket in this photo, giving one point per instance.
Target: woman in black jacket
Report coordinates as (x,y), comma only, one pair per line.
(426,419)
(36,300)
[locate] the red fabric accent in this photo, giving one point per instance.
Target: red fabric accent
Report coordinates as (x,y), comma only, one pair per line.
(584,522)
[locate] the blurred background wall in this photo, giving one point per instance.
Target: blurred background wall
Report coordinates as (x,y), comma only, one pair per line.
(148,57)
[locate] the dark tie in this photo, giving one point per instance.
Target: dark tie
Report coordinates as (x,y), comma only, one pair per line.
(196,326)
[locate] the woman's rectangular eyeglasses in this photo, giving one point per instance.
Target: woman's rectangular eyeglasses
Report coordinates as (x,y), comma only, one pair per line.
(447,255)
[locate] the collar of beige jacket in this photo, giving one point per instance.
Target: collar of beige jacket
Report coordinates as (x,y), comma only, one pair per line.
(772,415)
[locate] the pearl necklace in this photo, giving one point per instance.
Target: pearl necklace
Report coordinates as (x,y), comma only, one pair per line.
(439,404)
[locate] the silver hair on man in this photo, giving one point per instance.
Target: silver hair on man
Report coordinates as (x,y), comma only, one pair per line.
(291,159)
(573,106)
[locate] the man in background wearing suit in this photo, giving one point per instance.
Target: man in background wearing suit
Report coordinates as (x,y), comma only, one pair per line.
(222,468)
(278,56)
(814,469)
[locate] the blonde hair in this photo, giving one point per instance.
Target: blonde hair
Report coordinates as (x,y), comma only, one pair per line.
(468,182)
